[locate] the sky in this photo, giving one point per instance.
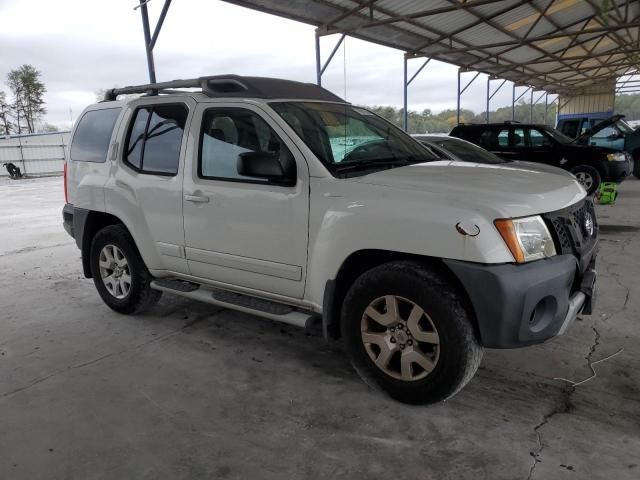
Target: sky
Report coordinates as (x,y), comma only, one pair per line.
(82,46)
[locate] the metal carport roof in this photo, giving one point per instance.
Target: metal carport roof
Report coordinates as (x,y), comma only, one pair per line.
(559,46)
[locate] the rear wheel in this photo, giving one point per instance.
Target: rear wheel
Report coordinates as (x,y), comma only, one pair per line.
(120,275)
(636,165)
(588,177)
(408,333)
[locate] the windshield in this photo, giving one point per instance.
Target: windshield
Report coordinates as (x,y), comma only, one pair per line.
(347,138)
(557,135)
(467,151)
(624,127)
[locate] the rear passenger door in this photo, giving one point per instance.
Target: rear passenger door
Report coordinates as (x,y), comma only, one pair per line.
(145,189)
(496,140)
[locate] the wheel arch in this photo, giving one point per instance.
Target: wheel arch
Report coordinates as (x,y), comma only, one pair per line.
(92,223)
(362,261)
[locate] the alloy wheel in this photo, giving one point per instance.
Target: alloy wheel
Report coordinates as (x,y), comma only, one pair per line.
(400,338)
(585,179)
(114,271)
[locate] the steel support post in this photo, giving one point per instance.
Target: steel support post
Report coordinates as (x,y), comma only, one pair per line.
(546,107)
(491,95)
(318,67)
(531,108)
(405,90)
(513,103)
(487,111)
(150,40)
(405,114)
(147,41)
(458,100)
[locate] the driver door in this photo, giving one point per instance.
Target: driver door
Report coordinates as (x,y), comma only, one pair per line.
(243,231)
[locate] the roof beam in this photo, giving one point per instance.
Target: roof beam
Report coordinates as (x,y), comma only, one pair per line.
(467,27)
(583,21)
(346,14)
(485,57)
(397,18)
(517,38)
(604,29)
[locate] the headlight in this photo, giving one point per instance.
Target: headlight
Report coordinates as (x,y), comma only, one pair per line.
(616,157)
(527,238)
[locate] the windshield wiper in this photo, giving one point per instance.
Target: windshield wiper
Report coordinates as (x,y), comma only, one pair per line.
(368,164)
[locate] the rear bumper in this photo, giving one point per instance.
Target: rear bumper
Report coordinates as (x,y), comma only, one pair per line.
(519,305)
(67,219)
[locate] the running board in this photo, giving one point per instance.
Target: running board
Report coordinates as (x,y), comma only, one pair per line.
(279,312)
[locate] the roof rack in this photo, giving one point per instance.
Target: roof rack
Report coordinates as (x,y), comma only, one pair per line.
(511,121)
(232,86)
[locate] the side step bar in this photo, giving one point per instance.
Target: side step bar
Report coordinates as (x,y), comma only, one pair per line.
(236,301)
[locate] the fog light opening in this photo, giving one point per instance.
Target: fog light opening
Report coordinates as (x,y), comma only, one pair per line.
(542,314)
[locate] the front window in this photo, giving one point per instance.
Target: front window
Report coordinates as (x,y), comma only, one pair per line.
(538,139)
(350,139)
(229,132)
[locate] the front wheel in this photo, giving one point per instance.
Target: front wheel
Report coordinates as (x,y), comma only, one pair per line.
(120,275)
(588,177)
(408,333)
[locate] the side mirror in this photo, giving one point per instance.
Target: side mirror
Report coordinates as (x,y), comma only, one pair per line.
(266,166)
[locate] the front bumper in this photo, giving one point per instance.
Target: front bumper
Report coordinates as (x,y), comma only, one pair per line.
(618,171)
(519,305)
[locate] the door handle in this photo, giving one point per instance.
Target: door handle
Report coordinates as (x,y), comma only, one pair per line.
(196,198)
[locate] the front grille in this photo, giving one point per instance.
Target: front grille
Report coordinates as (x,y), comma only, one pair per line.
(570,228)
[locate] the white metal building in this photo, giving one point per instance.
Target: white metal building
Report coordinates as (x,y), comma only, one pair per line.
(35,154)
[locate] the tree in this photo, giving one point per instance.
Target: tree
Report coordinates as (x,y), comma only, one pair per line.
(48,128)
(6,127)
(28,92)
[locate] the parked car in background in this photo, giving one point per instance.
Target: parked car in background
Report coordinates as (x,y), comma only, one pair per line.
(452,148)
(575,125)
(615,133)
(542,144)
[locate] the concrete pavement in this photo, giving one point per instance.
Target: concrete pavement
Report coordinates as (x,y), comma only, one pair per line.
(188,391)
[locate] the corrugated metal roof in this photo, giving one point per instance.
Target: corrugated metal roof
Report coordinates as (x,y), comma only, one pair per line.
(558,45)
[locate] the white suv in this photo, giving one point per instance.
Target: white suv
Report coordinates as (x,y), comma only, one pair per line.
(280,199)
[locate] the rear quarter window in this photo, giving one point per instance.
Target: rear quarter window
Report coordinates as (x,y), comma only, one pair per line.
(92,136)
(469,134)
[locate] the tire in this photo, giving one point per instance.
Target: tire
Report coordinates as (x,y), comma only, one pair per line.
(443,318)
(588,177)
(121,261)
(636,165)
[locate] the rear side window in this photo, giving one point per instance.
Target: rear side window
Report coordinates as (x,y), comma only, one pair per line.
(155,138)
(493,138)
(472,135)
(92,136)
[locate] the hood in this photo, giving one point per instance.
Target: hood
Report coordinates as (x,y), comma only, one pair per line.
(510,190)
(598,127)
(539,167)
